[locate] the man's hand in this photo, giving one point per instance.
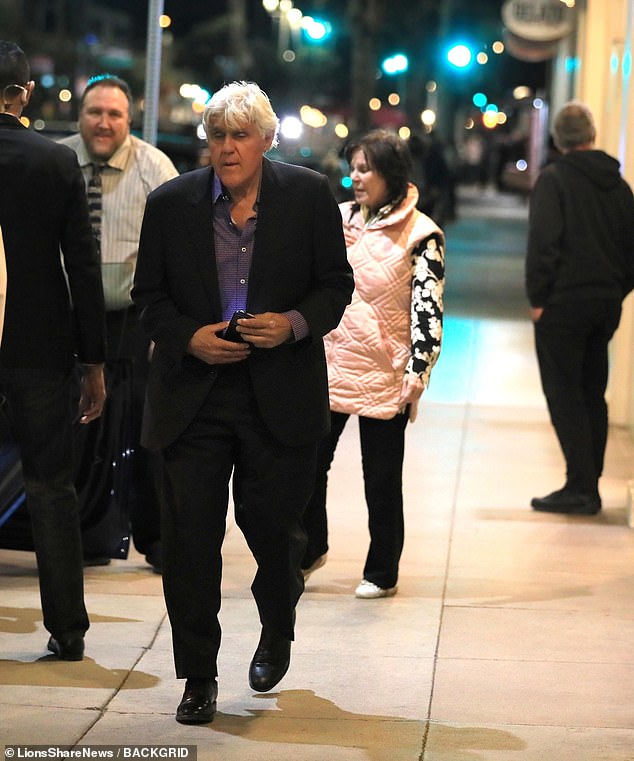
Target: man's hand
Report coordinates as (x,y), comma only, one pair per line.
(535,313)
(209,347)
(266,330)
(93,393)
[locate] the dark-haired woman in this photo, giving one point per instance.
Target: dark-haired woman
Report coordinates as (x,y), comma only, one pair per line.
(381,355)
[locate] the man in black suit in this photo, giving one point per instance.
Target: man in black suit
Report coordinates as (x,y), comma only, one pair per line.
(43,208)
(245,233)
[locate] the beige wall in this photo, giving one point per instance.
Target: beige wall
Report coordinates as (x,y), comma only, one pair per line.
(604,50)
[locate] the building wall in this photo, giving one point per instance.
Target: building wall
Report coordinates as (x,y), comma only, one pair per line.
(604,57)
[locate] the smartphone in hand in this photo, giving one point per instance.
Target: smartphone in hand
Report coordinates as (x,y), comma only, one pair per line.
(230,333)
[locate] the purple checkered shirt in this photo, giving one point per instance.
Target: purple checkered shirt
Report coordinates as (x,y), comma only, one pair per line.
(234,250)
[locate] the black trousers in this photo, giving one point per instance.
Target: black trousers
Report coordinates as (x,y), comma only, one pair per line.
(128,340)
(271,486)
(382,452)
(41,411)
(572,340)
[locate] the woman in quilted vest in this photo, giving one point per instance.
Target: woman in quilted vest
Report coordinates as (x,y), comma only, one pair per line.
(381,355)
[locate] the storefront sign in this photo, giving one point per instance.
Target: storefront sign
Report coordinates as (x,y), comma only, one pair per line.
(538,20)
(529,50)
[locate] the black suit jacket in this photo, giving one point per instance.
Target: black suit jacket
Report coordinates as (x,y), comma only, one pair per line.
(43,207)
(299,262)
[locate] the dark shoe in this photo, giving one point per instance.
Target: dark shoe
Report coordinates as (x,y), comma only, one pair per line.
(90,560)
(67,649)
(567,502)
(155,558)
(270,662)
(198,704)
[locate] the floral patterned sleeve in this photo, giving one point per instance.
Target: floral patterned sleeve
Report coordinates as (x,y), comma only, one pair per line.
(428,270)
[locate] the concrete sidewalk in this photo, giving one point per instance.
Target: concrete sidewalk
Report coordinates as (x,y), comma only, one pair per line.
(511,636)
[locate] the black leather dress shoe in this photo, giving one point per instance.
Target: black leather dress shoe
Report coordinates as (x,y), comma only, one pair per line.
(198,704)
(90,559)
(67,648)
(567,502)
(270,662)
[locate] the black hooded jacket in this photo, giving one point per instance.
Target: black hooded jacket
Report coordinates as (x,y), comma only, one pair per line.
(581,231)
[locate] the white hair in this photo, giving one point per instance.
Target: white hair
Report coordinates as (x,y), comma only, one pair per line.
(240,103)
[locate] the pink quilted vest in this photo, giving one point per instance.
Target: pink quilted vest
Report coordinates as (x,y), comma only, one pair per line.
(369,350)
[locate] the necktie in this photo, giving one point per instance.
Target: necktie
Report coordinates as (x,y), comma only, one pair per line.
(93,192)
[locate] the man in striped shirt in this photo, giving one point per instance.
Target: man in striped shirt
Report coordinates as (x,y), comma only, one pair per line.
(120,170)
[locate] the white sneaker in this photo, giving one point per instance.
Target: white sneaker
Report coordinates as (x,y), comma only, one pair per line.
(321,560)
(369,591)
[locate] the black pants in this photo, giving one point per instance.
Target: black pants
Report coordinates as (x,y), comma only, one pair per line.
(128,340)
(382,452)
(271,486)
(41,412)
(572,340)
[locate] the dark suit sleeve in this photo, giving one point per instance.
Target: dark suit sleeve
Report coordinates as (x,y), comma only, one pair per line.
(83,270)
(161,277)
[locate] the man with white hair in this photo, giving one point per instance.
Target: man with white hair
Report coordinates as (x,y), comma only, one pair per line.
(245,233)
(579,267)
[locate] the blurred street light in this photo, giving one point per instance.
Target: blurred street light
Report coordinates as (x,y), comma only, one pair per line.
(315,29)
(428,117)
(522,91)
(294,18)
(291,21)
(312,117)
(459,56)
(291,128)
(395,64)
(195,93)
(279,10)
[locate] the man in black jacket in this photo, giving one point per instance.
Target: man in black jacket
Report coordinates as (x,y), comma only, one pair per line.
(43,209)
(245,233)
(579,268)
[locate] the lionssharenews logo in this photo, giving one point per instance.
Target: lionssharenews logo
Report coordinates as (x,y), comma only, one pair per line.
(142,752)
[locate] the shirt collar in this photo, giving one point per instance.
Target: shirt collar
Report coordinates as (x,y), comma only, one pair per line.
(118,160)
(10,118)
(220,193)
(217,190)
